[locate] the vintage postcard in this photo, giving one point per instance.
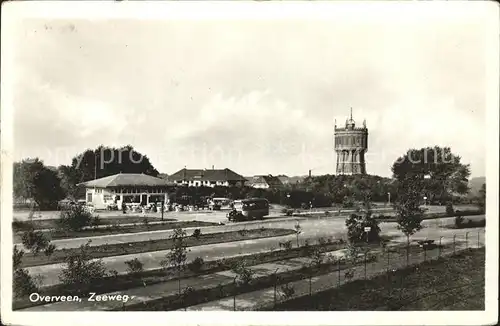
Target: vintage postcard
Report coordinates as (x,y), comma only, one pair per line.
(249,163)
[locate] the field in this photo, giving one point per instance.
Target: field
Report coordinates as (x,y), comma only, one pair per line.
(452,283)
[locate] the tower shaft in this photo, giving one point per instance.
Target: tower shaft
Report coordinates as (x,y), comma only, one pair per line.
(351,145)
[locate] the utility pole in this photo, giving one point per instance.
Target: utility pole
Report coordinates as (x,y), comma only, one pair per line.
(95,165)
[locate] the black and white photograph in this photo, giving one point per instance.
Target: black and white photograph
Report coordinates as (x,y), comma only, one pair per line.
(266,158)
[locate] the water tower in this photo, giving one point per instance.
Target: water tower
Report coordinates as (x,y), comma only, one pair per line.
(351,143)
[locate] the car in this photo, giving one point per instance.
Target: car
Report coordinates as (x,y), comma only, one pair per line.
(112,207)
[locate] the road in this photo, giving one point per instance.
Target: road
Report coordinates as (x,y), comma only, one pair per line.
(309,225)
(22,215)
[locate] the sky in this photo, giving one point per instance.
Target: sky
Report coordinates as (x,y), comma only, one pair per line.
(256,96)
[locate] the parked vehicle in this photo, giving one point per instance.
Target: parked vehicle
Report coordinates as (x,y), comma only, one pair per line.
(112,207)
(89,208)
(248,209)
(66,204)
(219,203)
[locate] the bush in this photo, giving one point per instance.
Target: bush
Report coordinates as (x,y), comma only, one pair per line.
(134,266)
(96,220)
(356,228)
(459,220)
(286,245)
(35,241)
(17,258)
(242,232)
(18,226)
(75,218)
(197,233)
(113,273)
(80,271)
(449,209)
(196,265)
(348,203)
(244,275)
(322,241)
(460,223)
(287,291)
(187,292)
(24,284)
(49,250)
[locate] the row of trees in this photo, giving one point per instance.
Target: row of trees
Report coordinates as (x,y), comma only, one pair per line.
(340,187)
(45,185)
(433,172)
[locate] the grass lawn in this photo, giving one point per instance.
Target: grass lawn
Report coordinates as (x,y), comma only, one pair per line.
(451,283)
(52,223)
(117,249)
(117,229)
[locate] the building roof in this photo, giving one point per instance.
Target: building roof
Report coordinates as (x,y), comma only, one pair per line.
(126,179)
(270,180)
(206,175)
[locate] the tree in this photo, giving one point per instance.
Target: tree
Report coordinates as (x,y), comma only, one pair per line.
(351,257)
(482,198)
(23,282)
(69,178)
(103,162)
(442,175)
(33,180)
(298,231)
(407,207)
(357,222)
(177,256)
(81,270)
(433,172)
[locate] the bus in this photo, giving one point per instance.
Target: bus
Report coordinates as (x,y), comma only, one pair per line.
(249,209)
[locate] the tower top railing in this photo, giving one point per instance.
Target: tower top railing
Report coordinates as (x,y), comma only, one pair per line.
(353,129)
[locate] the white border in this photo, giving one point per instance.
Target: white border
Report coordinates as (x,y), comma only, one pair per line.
(405,11)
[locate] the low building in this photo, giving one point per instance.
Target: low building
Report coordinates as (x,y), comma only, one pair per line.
(126,188)
(207,178)
(265,182)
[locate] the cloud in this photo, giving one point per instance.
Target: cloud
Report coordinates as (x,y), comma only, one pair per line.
(259,97)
